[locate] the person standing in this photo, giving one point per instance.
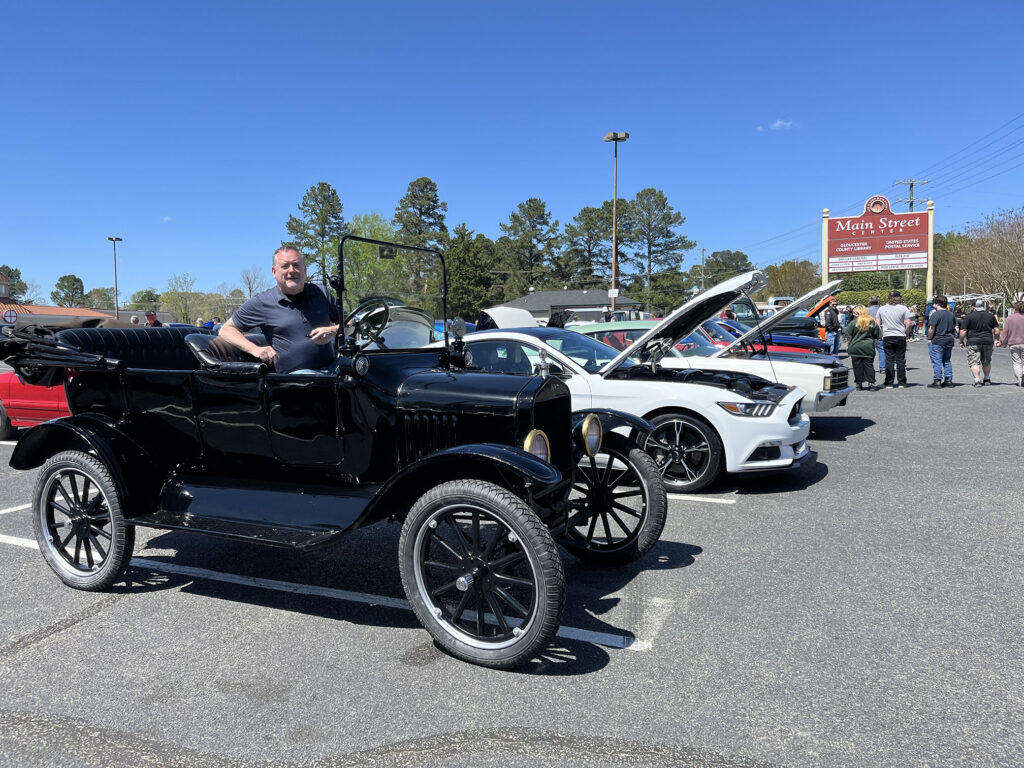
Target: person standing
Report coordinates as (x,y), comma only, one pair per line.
(941,335)
(912,330)
(151,319)
(979,331)
(1013,337)
(894,320)
(873,312)
(863,332)
(830,319)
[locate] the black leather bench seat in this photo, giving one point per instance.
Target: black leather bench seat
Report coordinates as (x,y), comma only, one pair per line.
(161,348)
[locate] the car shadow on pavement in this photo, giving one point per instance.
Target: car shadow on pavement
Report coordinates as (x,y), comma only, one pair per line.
(838,428)
(798,479)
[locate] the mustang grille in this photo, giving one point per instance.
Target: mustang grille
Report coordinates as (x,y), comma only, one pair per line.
(427,433)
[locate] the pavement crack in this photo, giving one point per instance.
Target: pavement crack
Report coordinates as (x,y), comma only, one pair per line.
(27,641)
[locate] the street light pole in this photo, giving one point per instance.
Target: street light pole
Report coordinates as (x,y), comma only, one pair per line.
(615,138)
(115,241)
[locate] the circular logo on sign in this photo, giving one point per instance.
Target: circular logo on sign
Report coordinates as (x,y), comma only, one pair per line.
(10,316)
(876,204)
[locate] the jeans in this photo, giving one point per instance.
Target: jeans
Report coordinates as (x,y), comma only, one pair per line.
(895,359)
(942,366)
(880,348)
(833,338)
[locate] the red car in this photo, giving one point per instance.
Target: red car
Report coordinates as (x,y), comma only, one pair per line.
(24,405)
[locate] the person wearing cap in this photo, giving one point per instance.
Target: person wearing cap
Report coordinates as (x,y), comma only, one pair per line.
(151,320)
(894,320)
(879,348)
(833,326)
(941,335)
(979,331)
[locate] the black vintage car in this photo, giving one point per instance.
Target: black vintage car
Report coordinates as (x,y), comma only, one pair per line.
(173,428)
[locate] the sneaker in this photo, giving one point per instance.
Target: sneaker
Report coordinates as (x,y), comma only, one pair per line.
(935,384)
(976,383)
(901,386)
(986,382)
(947,383)
(888,386)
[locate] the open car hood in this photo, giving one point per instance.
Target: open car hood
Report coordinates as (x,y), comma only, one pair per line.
(809,299)
(686,318)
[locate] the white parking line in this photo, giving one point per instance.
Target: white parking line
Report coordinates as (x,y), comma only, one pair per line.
(708,499)
(607,639)
(14,509)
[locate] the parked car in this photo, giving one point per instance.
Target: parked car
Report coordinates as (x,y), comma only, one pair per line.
(722,335)
(173,428)
(706,423)
(780,342)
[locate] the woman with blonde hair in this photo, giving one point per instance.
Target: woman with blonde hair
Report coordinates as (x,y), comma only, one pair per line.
(863,332)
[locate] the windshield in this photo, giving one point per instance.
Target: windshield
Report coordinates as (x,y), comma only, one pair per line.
(590,354)
(717,332)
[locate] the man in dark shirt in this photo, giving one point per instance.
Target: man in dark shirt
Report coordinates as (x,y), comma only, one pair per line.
(151,320)
(298,319)
(941,333)
(979,330)
(830,319)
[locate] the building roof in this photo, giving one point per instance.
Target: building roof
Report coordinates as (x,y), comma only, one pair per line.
(47,311)
(542,302)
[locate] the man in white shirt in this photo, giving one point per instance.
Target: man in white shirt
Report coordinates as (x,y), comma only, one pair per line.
(894,320)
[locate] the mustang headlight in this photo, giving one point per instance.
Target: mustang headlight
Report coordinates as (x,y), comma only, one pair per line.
(749,409)
(591,434)
(537,444)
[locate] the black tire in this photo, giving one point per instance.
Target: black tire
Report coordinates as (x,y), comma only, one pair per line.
(79,522)
(686,451)
(618,504)
(7,430)
(470,553)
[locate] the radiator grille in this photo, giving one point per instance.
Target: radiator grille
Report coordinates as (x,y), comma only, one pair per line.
(840,377)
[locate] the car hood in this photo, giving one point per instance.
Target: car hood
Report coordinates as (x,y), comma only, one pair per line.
(809,299)
(686,318)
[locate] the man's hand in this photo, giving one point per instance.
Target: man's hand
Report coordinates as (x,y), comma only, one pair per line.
(266,354)
(323,335)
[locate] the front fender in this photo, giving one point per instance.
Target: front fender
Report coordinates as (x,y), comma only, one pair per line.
(479,461)
(611,419)
(128,463)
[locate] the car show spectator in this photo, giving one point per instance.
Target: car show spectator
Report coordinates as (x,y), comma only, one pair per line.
(941,334)
(914,317)
(135,320)
(863,332)
(894,320)
(979,331)
(833,328)
(873,311)
(1013,337)
(298,319)
(151,319)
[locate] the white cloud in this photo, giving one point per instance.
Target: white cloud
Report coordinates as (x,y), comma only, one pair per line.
(780,123)
(166,219)
(760,129)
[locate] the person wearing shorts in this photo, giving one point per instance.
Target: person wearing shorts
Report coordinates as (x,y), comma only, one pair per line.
(979,332)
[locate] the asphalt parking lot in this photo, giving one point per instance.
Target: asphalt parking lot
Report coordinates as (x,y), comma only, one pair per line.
(862,610)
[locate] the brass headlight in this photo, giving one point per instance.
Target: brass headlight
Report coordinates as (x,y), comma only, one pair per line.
(537,444)
(591,434)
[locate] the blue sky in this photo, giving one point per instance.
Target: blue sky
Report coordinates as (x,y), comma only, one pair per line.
(192,129)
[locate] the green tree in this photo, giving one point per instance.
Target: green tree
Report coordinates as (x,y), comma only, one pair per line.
(317,232)
(147,298)
(100,298)
(529,246)
(367,274)
(651,225)
(420,215)
(794,277)
(587,256)
(68,292)
(469,259)
(719,266)
(181,298)
(16,287)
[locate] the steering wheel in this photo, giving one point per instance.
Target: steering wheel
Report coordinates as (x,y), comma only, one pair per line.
(370,318)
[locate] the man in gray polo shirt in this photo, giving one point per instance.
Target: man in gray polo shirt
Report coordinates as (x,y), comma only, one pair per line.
(298,319)
(894,320)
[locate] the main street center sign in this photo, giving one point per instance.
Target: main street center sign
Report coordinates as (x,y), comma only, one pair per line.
(877,240)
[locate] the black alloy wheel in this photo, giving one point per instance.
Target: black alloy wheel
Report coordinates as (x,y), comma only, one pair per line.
(686,451)
(482,573)
(79,522)
(618,504)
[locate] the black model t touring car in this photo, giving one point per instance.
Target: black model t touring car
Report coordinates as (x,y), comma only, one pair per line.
(173,428)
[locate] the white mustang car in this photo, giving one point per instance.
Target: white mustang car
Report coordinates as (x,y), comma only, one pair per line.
(824,379)
(706,422)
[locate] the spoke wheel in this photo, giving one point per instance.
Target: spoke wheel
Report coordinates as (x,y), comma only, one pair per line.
(78,521)
(618,504)
(482,573)
(686,451)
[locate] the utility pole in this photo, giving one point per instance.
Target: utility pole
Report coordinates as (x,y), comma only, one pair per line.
(702,250)
(909,199)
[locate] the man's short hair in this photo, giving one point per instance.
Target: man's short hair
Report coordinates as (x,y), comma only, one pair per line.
(282,249)
(895,297)
(150,313)
(940,299)
(873,300)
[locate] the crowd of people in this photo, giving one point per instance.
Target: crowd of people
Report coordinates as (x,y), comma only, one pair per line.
(884,330)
